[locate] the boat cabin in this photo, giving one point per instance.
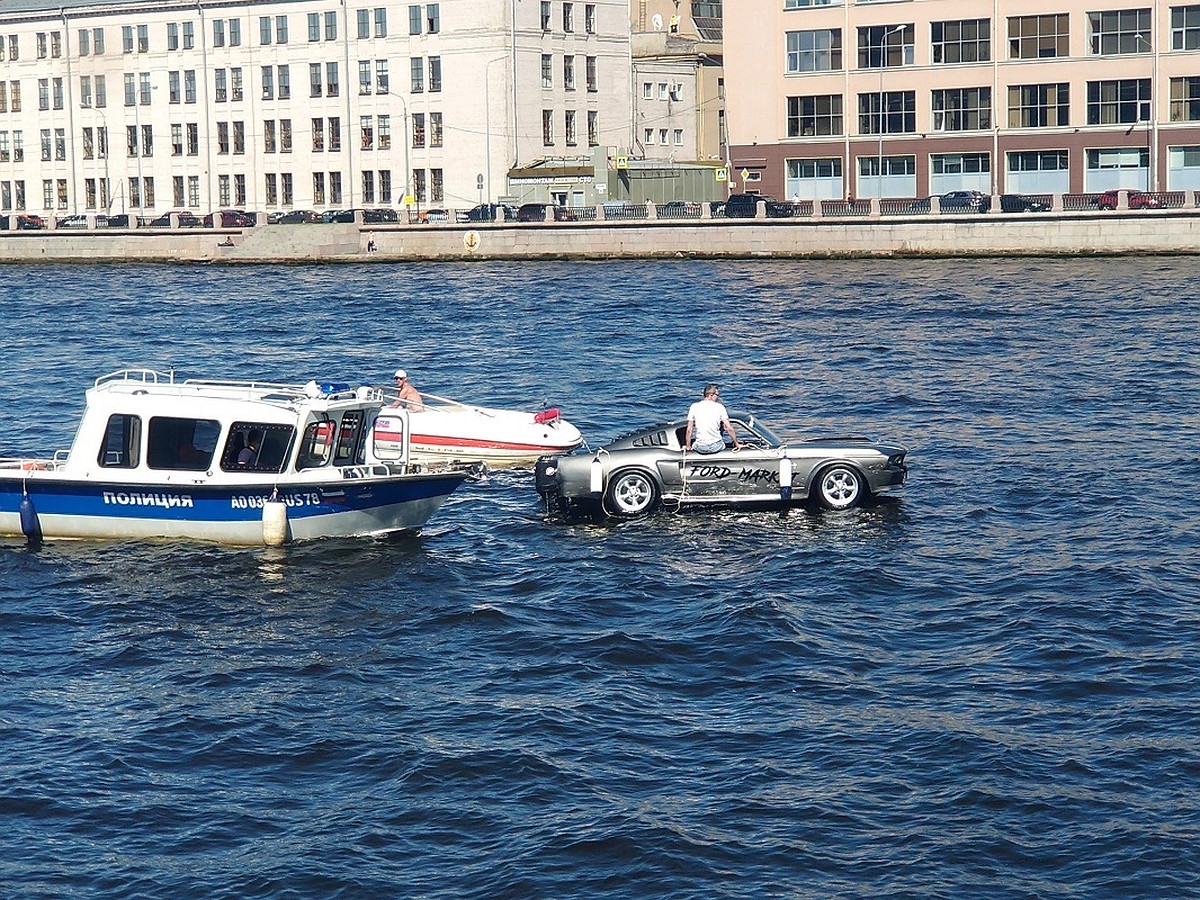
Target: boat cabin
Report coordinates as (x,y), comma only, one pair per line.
(139,424)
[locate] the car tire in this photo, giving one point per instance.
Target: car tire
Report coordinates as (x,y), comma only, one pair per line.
(838,487)
(630,493)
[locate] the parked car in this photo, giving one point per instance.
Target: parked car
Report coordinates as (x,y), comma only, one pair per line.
(536,212)
(679,209)
(23,222)
(433,216)
(1022,203)
(297,217)
(649,466)
(79,220)
(231,218)
(380,216)
(120,220)
(488,212)
(745,206)
(187,219)
(965,201)
(1137,200)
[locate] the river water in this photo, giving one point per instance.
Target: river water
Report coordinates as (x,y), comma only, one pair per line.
(987,688)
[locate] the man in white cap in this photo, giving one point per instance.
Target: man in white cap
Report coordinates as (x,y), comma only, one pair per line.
(407,396)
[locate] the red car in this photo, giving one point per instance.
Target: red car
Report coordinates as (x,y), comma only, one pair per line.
(1137,200)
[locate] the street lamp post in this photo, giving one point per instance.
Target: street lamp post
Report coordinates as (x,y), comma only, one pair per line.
(487,127)
(882,118)
(1151,119)
(407,142)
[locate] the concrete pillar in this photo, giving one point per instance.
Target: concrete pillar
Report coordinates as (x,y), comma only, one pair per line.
(1056,203)
(358,217)
(51,221)
(1122,200)
(173,219)
(706,209)
(935,205)
(760,209)
(91,222)
(818,209)
(874,213)
(599,212)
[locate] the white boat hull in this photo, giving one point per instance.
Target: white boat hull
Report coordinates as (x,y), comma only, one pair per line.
(498,437)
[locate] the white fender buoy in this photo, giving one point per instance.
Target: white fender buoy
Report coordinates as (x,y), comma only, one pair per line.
(275,522)
(785,477)
(596,481)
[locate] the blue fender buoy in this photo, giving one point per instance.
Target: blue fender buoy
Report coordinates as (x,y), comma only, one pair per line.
(30,526)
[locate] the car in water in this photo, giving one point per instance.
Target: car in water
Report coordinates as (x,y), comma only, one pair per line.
(649,467)
(1137,200)
(1022,203)
(745,206)
(537,212)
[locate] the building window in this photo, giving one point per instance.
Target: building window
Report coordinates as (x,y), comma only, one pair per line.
(591,75)
(220,86)
(381,76)
(177,189)
(1118,102)
(364,77)
(194,191)
(435,129)
(1038,37)
(269,136)
(218,32)
(368,186)
(189,35)
(235,84)
(960,163)
(593,128)
(272,190)
(437,191)
(962,109)
(264,30)
(363,19)
(433,18)
(1038,161)
(817,115)
(385,185)
(239,138)
(547,71)
(418,130)
(1119,31)
(239,190)
(177,141)
(222,138)
(189,87)
(385,132)
(193,139)
(315,85)
(381,22)
(547,128)
(367,131)
(1185,99)
(882,47)
(417,74)
(173,44)
(435,74)
(1185,27)
(314,27)
(174,88)
(569,128)
(568,17)
(898,114)
(84,41)
(318,135)
(331,26)
(963,41)
(569,72)
(589,18)
(414,20)
(814,51)
(331,79)
(1038,105)
(223,190)
(545,15)
(283,75)
(268,82)
(335,134)
(143,32)
(319,188)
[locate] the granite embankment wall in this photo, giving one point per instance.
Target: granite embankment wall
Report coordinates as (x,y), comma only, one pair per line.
(1036,234)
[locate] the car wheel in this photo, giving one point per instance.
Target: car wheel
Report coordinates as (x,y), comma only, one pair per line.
(632,493)
(839,487)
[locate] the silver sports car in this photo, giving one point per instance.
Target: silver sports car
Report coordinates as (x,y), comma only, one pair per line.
(645,468)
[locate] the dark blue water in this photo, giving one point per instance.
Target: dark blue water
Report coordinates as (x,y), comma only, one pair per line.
(988,688)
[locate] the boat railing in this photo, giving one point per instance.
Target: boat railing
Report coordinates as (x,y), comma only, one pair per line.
(435,400)
(141,376)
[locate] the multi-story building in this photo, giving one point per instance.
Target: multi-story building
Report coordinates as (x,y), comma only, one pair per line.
(678,80)
(121,105)
(833,98)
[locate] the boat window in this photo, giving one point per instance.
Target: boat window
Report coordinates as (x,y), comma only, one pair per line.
(256,447)
(349,449)
(316,446)
(388,437)
(122,438)
(177,443)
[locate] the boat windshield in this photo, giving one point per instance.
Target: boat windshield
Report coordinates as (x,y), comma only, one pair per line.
(749,425)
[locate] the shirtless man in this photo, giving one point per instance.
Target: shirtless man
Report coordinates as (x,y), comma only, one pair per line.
(407,396)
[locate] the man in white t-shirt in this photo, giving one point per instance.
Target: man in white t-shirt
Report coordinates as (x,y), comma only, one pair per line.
(705,418)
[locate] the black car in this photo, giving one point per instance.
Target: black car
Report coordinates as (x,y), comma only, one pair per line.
(1022,203)
(489,212)
(745,206)
(186,220)
(297,217)
(965,201)
(536,212)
